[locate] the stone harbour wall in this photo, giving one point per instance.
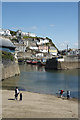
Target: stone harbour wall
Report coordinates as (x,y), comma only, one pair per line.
(10,70)
(68,65)
(54,64)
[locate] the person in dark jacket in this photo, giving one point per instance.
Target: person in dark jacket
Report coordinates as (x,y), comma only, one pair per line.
(68,94)
(16,93)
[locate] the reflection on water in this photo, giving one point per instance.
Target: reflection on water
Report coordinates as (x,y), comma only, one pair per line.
(36,79)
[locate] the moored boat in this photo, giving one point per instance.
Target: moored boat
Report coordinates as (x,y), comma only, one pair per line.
(28,61)
(34,62)
(43,62)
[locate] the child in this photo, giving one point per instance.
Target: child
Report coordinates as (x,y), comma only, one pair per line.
(68,94)
(61,93)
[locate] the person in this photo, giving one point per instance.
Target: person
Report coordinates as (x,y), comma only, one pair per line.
(68,94)
(16,93)
(61,93)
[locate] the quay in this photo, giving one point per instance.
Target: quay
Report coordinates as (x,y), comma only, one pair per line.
(67,62)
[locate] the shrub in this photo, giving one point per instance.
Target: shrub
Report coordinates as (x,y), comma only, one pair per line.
(7,56)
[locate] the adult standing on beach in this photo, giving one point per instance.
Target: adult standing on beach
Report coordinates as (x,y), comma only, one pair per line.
(16,93)
(68,94)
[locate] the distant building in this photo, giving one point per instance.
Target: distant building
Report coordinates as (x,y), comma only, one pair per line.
(20,47)
(39,55)
(31,34)
(4,32)
(43,48)
(74,52)
(24,34)
(19,32)
(1,32)
(53,51)
(42,41)
(7,32)
(34,48)
(6,45)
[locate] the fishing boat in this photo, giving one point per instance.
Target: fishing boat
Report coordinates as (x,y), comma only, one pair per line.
(28,61)
(20,60)
(43,62)
(38,62)
(34,62)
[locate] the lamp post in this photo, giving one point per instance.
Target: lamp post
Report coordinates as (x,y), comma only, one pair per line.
(67,49)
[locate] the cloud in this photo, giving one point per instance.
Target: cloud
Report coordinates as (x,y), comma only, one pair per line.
(76,44)
(33,28)
(51,25)
(17,28)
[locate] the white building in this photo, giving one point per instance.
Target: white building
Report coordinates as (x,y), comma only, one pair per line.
(34,48)
(42,41)
(7,33)
(53,51)
(43,48)
(19,32)
(74,52)
(39,55)
(4,32)
(31,34)
(20,47)
(24,34)
(1,32)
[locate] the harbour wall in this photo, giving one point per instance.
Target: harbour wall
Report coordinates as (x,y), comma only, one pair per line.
(54,64)
(9,70)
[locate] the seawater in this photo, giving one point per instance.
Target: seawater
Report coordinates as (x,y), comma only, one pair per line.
(36,79)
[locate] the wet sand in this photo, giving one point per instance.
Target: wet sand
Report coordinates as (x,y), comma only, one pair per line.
(35,105)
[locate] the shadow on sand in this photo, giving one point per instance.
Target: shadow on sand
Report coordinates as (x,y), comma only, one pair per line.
(11,99)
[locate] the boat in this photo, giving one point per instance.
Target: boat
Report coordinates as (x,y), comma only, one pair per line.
(38,62)
(20,60)
(43,62)
(28,61)
(34,62)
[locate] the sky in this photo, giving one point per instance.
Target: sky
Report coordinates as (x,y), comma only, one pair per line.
(56,20)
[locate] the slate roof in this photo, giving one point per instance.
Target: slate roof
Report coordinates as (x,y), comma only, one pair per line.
(6,43)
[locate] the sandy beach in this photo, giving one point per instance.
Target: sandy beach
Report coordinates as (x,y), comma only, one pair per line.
(35,105)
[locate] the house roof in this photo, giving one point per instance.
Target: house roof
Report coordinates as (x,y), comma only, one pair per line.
(6,43)
(53,48)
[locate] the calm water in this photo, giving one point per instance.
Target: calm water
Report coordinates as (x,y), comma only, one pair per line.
(37,79)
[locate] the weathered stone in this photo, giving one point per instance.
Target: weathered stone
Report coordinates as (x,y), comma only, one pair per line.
(9,71)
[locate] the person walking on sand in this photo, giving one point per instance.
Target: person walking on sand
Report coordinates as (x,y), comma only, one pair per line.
(16,93)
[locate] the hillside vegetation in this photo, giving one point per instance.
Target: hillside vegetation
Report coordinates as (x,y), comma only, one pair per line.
(7,56)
